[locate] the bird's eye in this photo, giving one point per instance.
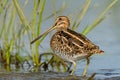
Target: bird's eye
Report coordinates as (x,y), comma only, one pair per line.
(60,19)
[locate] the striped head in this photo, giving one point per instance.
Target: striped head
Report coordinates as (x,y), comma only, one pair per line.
(62,22)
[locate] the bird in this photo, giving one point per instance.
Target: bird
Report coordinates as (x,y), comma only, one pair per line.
(70,45)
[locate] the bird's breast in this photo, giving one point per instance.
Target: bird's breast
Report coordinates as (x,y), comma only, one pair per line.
(64,45)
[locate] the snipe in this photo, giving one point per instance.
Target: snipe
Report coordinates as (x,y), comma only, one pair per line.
(70,45)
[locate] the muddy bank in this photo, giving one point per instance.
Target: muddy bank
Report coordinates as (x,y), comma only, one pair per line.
(45,76)
(39,76)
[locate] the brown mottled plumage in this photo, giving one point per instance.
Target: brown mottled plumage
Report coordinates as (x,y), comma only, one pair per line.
(68,44)
(73,48)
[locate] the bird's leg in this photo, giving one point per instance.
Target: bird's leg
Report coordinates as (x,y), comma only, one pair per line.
(69,67)
(86,68)
(74,67)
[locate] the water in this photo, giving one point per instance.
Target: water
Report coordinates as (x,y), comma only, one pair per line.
(106,34)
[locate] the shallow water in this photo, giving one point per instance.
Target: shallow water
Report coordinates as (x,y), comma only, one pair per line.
(106,35)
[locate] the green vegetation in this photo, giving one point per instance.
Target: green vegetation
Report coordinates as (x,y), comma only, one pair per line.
(16,27)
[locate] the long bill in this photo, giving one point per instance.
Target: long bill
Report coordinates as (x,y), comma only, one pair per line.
(45,33)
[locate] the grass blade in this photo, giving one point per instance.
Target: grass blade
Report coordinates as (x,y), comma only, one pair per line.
(80,16)
(21,15)
(100,18)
